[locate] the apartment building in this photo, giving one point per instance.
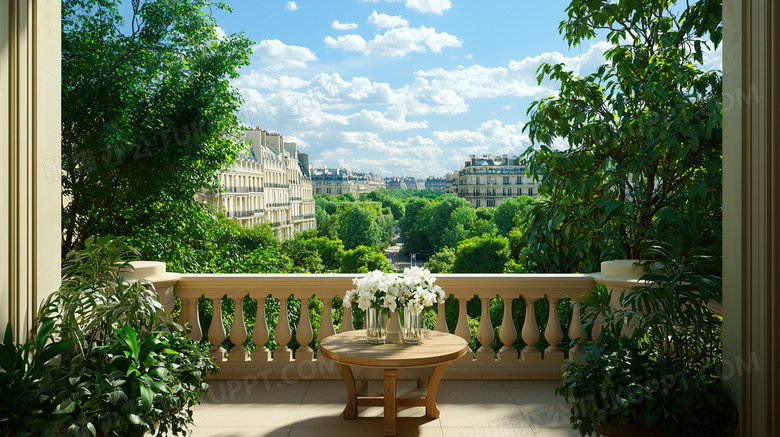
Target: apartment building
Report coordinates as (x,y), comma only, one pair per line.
(334,181)
(489,180)
(268,183)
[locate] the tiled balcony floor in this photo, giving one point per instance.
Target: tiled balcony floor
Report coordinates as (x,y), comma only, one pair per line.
(313,408)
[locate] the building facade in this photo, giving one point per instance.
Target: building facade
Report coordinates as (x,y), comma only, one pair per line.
(489,180)
(268,183)
(334,181)
(368,182)
(434,183)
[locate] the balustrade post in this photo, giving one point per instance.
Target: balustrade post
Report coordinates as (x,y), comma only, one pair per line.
(462,328)
(304,334)
(530,334)
(326,326)
(238,333)
(508,332)
(217,331)
(189,314)
(441,319)
(576,334)
(553,334)
(260,333)
(346,320)
(485,333)
(283,334)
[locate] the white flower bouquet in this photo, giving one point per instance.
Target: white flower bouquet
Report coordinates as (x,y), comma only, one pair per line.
(379,294)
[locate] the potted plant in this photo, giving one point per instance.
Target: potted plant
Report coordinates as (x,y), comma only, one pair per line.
(663,378)
(121,369)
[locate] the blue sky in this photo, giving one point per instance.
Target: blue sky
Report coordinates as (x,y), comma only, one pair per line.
(400,87)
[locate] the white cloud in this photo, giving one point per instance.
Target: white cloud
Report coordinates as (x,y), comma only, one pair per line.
(516,80)
(291,6)
(429,6)
(387,21)
(279,55)
(424,6)
(469,56)
(343,26)
(396,42)
(220,33)
(350,43)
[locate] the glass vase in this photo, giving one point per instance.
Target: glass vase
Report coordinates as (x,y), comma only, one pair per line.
(376,326)
(411,327)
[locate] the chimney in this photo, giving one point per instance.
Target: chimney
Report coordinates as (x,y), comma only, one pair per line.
(473,160)
(506,159)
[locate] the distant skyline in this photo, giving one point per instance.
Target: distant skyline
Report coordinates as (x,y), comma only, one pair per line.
(401,87)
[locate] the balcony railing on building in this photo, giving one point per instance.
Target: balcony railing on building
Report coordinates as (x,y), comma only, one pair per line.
(521,345)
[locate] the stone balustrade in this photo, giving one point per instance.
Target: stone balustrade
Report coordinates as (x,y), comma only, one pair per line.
(483,363)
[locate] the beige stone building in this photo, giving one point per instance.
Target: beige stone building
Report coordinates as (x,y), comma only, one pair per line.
(368,182)
(334,181)
(269,183)
(489,180)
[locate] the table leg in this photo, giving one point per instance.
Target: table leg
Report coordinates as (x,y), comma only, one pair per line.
(431,409)
(390,411)
(350,411)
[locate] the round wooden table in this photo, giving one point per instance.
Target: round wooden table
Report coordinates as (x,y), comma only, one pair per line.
(350,349)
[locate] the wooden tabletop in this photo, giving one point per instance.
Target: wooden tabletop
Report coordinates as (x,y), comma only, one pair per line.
(351,348)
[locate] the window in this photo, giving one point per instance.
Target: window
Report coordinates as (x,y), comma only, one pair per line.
(506,180)
(477,203)
(476,192)
(519,180)
(477,180)
(530,191)
(491,203)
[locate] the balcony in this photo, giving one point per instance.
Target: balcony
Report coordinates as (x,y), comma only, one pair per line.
(293,407)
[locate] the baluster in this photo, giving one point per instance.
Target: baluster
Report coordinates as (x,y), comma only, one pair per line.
(304,334)
(189,314)
(393,328)
(238,332)
(326,326)
(553,334)
(217,331)
(260,333)
(441,319)
(530,333)
(462,328)
(346,321)
(283,333)
(576,333)
(485,333)
(507,333)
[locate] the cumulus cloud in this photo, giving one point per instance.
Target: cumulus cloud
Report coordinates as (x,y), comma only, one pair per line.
(424,6)
(220,33)
(518,79)
(291,6)
(387,21)
(343,26)
(278,55)
(396,42)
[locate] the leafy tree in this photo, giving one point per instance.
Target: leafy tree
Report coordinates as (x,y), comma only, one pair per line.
(418,212)
(148,115)
(459,226)
(505,217)
(643,138)
(487,253)
(364,259)
(441,262)
(440,222)
(359,227)
(304,255)
(330,251)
